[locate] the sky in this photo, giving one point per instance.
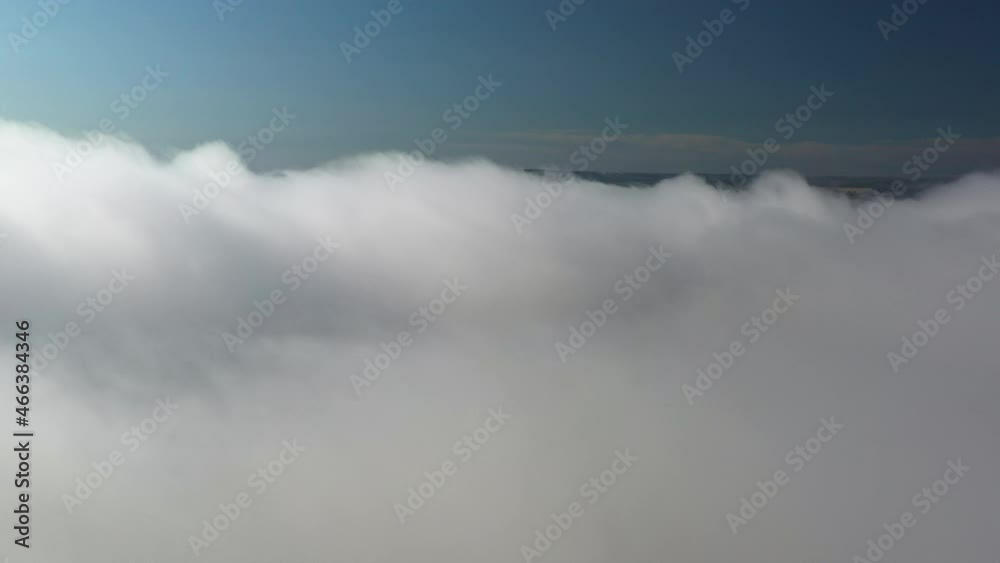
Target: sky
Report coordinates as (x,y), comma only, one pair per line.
(252,330)
(228,68)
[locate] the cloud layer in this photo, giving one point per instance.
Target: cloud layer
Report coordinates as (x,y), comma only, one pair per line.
(388,333)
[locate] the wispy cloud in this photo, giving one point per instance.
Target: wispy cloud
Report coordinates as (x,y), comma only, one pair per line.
(678,152)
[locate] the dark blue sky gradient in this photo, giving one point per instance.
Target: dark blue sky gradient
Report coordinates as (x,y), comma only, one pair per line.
(610,58)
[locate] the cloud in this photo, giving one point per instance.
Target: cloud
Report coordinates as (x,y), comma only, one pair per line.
(677,152)
(151,297)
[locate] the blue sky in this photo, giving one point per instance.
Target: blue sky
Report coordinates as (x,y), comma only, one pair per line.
(606,59)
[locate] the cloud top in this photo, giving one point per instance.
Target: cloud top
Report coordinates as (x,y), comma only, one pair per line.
(380,340)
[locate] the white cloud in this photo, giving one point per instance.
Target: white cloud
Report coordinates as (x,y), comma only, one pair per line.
(162,337)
